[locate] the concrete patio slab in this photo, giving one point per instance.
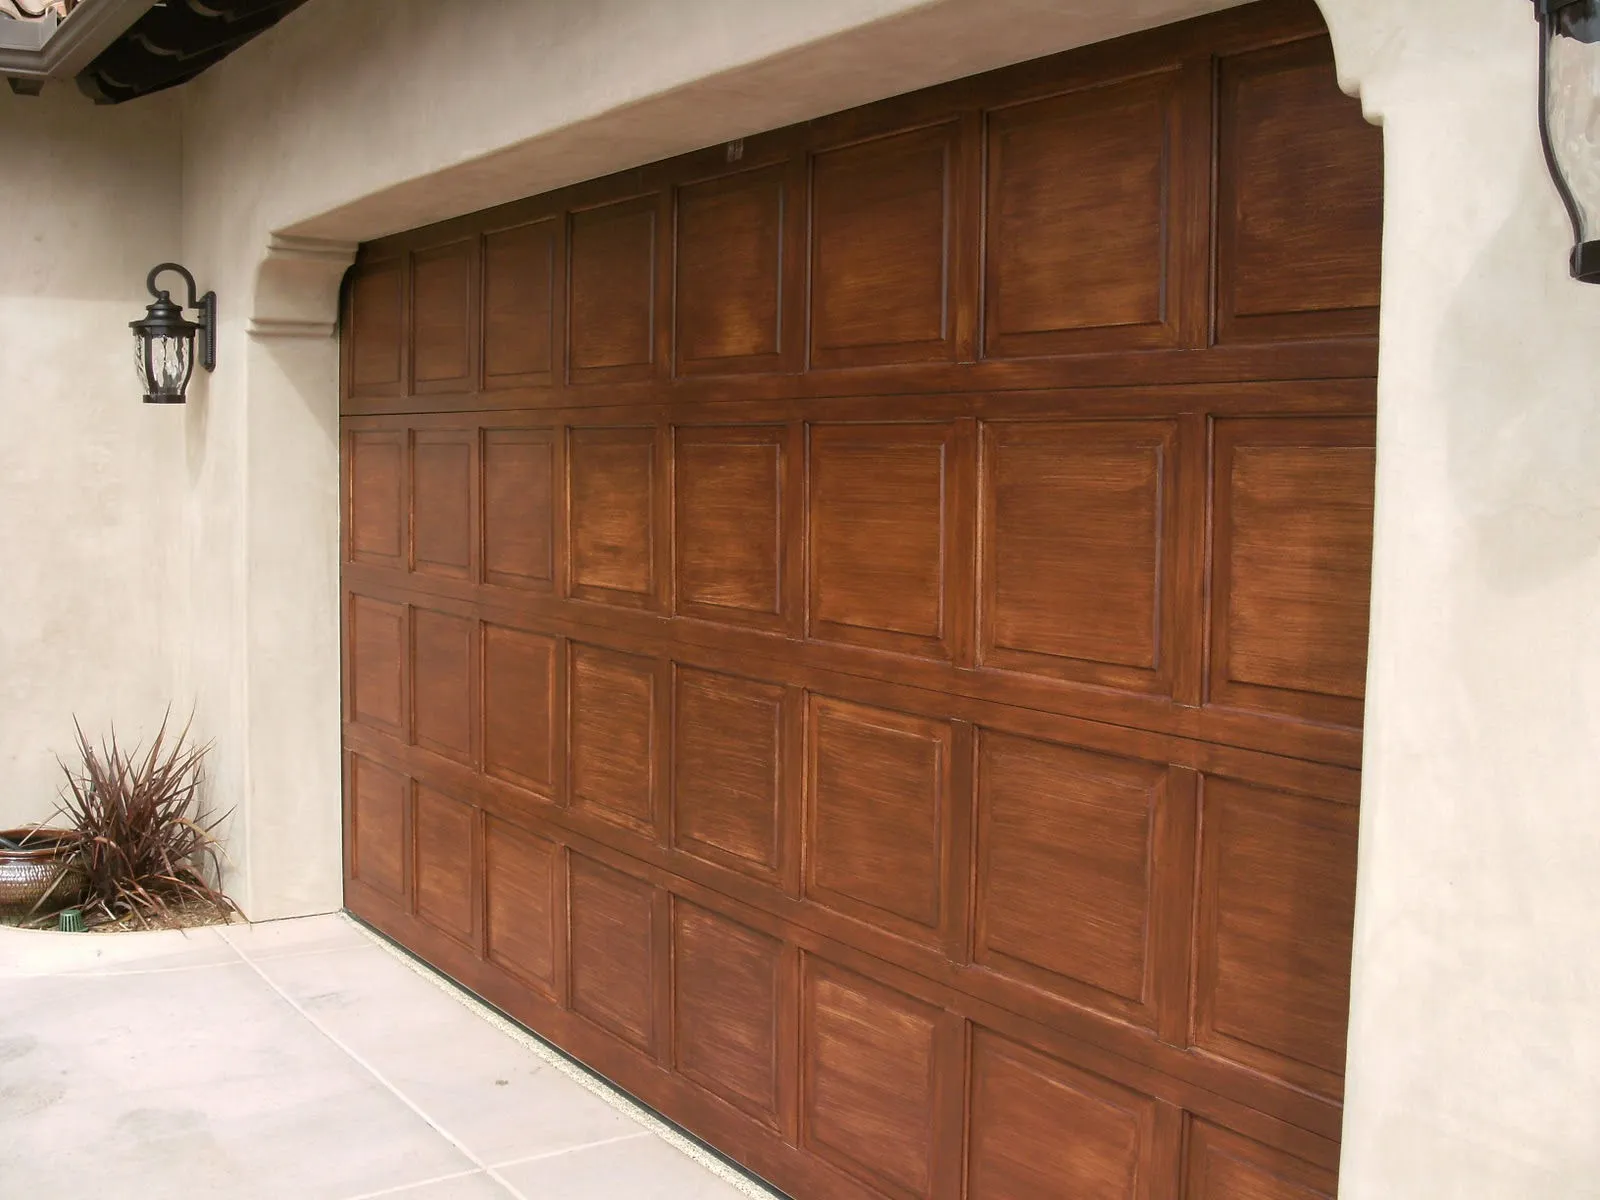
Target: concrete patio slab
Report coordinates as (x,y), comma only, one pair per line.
(299,1058)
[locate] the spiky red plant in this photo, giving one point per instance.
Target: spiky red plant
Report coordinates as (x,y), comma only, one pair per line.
(146,841)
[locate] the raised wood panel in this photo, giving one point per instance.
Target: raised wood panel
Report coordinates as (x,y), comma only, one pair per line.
(380,827)
(878,817)
(1066,870)
(523,909)
(612,950)
(1040,1127)
(1273,939)
(375,343)
(883,249)
(445,842)
(611,736)
(1300,208)
(1292,566)
(1226,1166)
(1083,248)
(443,470)
(520,707)
(730,525)
(611,292)
(444,682)
(1081,537)
(519,276)
(869,1090)
(730,277)
(519,474)
(729,793)
(611,485)
(376,523)
(376,639)
(727,981)
(442,314)
(882,536)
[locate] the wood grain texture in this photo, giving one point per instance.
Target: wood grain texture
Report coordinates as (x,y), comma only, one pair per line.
(612,736)
(523,904)
(1082,251)
(612,952)
(445,836)
(443,316)
(1023,1103)
(870,1058)
(726,984)
(863,641)
(729,790)
(1300,208)
(519,277)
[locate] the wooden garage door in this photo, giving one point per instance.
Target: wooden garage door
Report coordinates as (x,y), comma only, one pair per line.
(859,635)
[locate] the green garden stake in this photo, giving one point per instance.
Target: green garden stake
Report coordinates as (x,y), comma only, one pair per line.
(70,920)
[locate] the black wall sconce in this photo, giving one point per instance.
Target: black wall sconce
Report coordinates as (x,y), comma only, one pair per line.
(1569,119)
(164,340)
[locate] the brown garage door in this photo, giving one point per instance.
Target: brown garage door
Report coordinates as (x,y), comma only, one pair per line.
(860,636)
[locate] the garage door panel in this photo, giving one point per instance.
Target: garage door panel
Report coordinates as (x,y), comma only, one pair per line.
(612,275)
(880,816)
(375,473)
(613,955)
(871,1056)
(380,827)
(1066,869)
(520,266)
(837,640)
(1022,1103)
(447,857)
(520,471)
(612,736)
(521,707)
(732,800)
(376,675)
(730,1014)
(1273,938)
(1292,566)
(524,904)
(885,503)
(883,249)
(733,524)
(1300,205)
(731,304)
(612,548)
(444,691)
(1091,599)
(1226,1166)
(1082,190)
(443,349)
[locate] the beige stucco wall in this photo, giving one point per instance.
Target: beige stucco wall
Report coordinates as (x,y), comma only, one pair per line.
(92,483)
(1474,1062)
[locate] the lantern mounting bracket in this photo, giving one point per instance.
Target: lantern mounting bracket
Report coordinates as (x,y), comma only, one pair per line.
(206,306)
(1580,21)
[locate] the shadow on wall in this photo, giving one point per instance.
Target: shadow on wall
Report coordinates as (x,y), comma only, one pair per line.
(1522,442)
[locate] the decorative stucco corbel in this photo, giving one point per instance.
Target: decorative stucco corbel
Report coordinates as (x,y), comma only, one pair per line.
(297,287)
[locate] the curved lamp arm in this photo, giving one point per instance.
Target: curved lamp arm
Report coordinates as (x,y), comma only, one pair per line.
(206,304)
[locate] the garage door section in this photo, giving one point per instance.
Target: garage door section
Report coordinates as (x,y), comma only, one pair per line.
(859,635)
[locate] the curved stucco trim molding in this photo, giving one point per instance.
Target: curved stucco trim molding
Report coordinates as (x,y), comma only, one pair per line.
(296,291)
(1365,40)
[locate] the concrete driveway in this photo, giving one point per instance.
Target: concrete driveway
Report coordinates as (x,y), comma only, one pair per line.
(304,1059)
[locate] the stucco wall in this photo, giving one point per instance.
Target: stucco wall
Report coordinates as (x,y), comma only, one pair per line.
(1474,1063)
(92,483)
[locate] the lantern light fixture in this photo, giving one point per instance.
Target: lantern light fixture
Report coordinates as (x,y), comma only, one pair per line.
(1569,119)
(164,340)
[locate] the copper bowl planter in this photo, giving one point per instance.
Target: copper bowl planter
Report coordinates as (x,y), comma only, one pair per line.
(38,878)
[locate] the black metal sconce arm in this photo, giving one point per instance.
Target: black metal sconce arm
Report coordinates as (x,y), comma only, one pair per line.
(206,306)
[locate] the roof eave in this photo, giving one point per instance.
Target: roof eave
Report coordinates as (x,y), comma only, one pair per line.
(46,49)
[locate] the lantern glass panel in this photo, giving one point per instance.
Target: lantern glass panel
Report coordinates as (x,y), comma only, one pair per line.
(1573,105)
(164,362)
